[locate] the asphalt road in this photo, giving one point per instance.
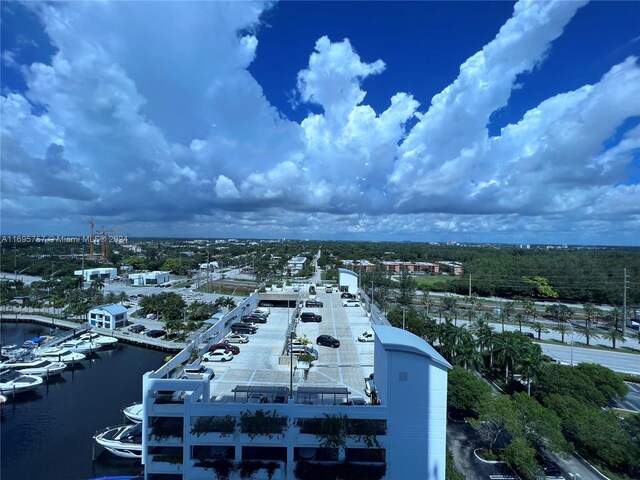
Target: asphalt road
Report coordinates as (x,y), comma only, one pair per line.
(617,361)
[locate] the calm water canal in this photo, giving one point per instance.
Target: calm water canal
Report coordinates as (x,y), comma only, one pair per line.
(47,434)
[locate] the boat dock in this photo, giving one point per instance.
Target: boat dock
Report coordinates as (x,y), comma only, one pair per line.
(77,328)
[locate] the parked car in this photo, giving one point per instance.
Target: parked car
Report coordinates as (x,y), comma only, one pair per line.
(194,372)
(310,317)
(253,319)
(138,328)
(351,303)
(225,346)
(312,303)
(328,290)
(367,336)
(218,356)
(328,341)
(301,349)
(156,333)
(263,311)
(347,295)
(244,328)
(355,401)
(529,334)
(237,338)
(369,387)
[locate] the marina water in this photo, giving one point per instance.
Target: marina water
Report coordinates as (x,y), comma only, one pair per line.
(48,434)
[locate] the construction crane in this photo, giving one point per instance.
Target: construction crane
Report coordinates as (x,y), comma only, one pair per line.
(104,241)
(91,238)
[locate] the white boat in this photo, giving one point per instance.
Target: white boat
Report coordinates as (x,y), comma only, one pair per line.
(3,399)
(59,354)
(13,382)
(134,412)
(123,441)
(80,346)
(98,339)
(38,366)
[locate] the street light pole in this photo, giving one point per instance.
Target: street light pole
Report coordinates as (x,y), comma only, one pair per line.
(571,325)
(291,363)
(403,310)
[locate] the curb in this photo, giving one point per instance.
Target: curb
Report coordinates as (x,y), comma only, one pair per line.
(492,462)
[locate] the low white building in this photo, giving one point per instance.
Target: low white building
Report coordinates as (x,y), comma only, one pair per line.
(109,316)
(90,274)
(148,278)
(296,264)
(348,280)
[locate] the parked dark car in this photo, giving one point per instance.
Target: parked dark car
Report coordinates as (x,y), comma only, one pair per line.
(328,341)
(138,328)
(225,346)
(156,333)
(310,317)
(243,328)
(253,319)
(347,295)
(313,303)
(528,334)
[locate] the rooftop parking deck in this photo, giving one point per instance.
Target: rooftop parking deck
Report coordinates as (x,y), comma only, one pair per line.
(259,361)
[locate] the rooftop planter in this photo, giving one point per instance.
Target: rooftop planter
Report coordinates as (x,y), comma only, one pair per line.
(262,423)
(333,430)
(224,425)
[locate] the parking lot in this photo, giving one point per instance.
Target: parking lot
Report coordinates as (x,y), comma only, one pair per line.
(258,362)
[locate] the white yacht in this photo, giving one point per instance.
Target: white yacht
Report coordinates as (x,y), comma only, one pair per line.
(134,412)
(123,441)
(59,354)
(38,366)
(3,399)
(81,346)
(98,339)
(13,382)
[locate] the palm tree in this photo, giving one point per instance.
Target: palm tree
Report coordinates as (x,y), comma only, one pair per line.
(97,283)
(614,335)
(529,309)
(588,333)
(539,328)
(562,329)
(519,319)
(589,312)
(531,363)
(508,347)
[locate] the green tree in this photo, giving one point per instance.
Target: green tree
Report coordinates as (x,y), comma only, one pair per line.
(589,333)
(507,347)
(531,363)
(543,289)
(614,335)
(522,458)
(406,288)
(539,328)
(466,393)
(562,329)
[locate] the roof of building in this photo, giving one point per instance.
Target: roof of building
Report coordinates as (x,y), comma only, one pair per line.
(346,271)
(112,308)
(393,338)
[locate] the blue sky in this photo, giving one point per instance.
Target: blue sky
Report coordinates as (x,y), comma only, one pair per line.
(427,121)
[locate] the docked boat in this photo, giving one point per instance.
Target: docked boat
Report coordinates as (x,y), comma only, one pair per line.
(123,441)
(80,346)
(38,366)
(3,399)
(134,412)
(59,354)
(102,340)
(13,382)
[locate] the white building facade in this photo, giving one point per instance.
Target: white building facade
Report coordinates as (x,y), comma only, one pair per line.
(403,437)
(148,278)
(296,264)
(348,280)
(109,316)
(90,274)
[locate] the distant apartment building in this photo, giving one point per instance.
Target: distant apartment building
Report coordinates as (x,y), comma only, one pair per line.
(359,265)
(296,264)
(148,278)
(411,267)
(454,268)
(90,274)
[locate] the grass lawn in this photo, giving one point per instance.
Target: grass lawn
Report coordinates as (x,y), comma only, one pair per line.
(434,282)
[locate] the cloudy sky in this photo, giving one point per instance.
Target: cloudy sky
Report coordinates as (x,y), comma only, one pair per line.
(426,121)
